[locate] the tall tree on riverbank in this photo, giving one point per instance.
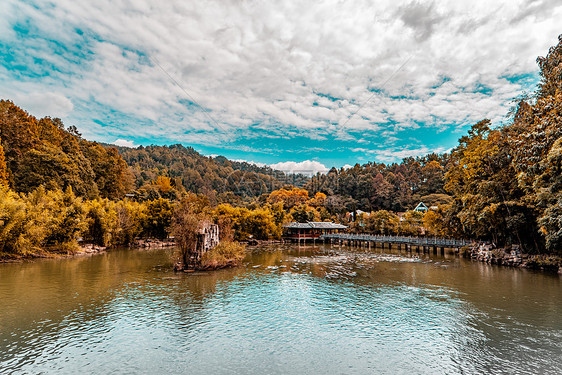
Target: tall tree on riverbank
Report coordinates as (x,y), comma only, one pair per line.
(507,182)
(536,139)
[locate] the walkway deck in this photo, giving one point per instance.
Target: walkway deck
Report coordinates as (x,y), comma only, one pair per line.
(399,240)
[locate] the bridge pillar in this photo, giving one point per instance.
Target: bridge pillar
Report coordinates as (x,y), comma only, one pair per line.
(442,250)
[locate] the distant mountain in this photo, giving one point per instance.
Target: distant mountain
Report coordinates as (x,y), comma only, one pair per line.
(201,174)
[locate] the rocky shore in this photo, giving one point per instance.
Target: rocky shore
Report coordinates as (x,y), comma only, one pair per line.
(146,243)
(513,257)
(89,249)
(154,243)
(254,242)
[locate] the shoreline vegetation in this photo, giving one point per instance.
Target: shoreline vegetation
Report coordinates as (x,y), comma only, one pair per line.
(512,257)
(501,185)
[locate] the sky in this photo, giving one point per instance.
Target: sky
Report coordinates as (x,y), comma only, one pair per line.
(300,85)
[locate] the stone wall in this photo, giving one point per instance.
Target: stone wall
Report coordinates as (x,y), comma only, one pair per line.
(207,239)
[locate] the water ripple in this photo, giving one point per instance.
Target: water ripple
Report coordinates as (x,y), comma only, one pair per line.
(313,312)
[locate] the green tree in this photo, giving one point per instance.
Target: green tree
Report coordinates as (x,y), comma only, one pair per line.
(382,222)
(304,213)
(158,217)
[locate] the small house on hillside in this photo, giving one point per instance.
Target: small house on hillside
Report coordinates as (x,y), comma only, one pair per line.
(310,230)
(421,207)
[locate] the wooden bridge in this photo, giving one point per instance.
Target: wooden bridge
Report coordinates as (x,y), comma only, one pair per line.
(423,243)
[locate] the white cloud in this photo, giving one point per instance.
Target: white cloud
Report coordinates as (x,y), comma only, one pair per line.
(43,104)
(307,167)
(276,68)
(125,143)
(391,155)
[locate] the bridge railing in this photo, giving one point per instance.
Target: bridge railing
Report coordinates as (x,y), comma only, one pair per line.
(427,241)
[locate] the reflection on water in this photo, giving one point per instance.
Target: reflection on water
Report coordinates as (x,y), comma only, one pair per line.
(312,310)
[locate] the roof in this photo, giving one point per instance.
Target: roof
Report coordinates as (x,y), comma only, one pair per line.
(315,225)
(421,207)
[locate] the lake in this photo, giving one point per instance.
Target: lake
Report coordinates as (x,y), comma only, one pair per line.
(287,310)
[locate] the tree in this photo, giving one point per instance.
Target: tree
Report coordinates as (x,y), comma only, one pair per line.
(411,224)
(289,197)
(381,191)
(260,223)
(3,166)
(12,222)
(434,224)
(382,222)
(187,222)
(304,213)
(158,218)
(551,227)
(551,72)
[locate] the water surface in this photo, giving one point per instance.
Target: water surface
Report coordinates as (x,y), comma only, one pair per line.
(288,310)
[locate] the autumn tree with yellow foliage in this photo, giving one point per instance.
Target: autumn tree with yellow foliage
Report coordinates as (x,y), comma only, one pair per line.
(3,166)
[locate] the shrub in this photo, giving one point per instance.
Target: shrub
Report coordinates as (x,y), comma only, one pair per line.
(225,254)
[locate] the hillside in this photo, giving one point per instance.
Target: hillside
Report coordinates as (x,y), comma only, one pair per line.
(377,186)
(42,152)
(215,177)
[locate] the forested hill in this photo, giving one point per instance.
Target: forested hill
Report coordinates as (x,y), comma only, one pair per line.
(42,152)
(394,187)
(297,180)
(217,177)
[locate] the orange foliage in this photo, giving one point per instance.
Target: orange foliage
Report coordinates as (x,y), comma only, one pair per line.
(289,197)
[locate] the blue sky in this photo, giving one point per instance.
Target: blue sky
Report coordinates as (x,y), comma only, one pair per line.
(300,84)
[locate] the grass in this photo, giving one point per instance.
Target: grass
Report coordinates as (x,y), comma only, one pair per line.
(225,254)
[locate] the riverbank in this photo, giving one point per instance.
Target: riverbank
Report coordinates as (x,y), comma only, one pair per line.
(253,242)
(85,249)
(513,257)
